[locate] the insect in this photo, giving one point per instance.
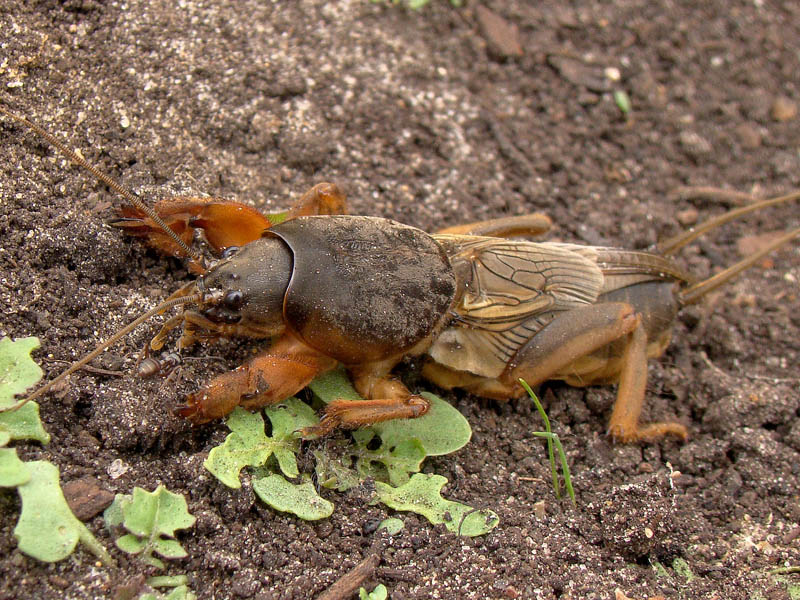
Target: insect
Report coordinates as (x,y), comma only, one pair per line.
(163,365)
(484,308)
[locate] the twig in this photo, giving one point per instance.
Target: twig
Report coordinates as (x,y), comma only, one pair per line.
(726,197)
(785,570)
(348,583)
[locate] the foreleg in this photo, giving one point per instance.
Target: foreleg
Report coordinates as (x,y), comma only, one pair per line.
(268,378)
(224,223)
(385,399)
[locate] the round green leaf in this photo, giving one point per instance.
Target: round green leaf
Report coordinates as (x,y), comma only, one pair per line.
(441,431)
(301,500)
(13,471)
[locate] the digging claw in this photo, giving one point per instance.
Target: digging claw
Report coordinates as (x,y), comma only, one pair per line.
(191,411)
(183,410)
(321,429)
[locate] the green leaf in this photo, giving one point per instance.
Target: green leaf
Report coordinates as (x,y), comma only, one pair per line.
(169,548)
(131,544)
(441,431)
(151,518)
(301,500)
(167,581)
(180,592)
(332,385)
(422,495)
(683,569)
(277,218)
(18,372)
(332,473)
(13,471)
(249,445)
(399,460)
(622,101)
(379,593)
(286,418)
(392,525)
(47,529)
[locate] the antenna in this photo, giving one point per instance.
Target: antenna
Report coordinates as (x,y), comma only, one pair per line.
(103,178)
(168,303)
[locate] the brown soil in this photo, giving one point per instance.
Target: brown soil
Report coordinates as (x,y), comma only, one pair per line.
(425,118)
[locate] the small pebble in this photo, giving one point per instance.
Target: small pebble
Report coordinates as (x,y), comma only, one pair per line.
(687,217)
(117,469)
(749,136)
(612,74)
(694,144)
(783,109)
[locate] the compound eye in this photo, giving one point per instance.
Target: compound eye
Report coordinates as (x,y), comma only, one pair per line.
(233,300)
(230,251)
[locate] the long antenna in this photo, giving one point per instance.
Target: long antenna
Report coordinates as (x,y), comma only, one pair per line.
(102,177)
(696,291)
(168,303)
(673,244)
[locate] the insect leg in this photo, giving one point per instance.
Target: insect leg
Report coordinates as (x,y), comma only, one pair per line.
(322,199)
(224,223)
(386,399)
(568,349)
(505,227)
(268,378)
(624,425)
(569,337)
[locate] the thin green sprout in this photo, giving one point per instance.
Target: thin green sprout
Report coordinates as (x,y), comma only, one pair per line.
(553,443)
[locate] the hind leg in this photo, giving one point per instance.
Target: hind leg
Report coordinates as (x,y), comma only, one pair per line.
(505,227)
(224,223)
(558,350)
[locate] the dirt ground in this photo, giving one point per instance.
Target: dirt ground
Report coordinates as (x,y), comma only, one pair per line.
(432,118)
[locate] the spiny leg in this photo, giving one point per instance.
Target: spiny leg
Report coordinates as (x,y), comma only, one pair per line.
(624,425)
(567,338)
(322,199)
(556,350)
(268,378)
(224,223)
(548,352)
(386,399)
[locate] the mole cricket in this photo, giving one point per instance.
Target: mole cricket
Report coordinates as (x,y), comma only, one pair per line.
(483,307)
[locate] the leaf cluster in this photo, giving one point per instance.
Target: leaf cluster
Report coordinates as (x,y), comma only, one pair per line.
(390,453)
(151,520)
(46,529)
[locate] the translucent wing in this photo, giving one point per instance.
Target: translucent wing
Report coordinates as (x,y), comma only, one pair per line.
(508,291)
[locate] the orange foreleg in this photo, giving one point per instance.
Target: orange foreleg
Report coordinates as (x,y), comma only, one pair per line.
(268,378)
